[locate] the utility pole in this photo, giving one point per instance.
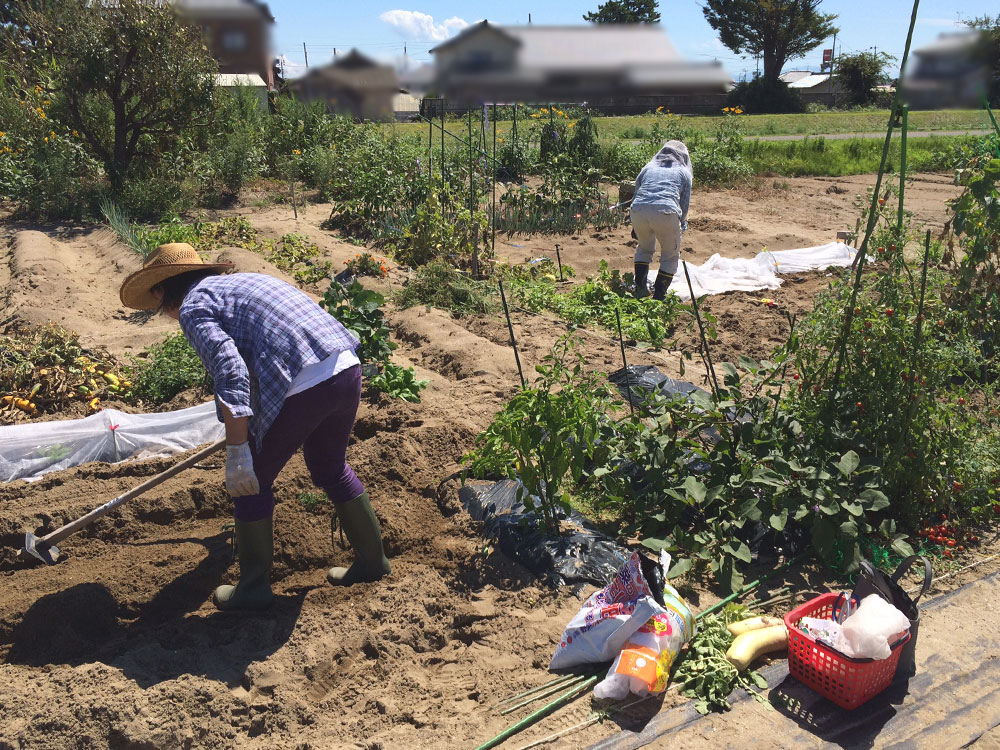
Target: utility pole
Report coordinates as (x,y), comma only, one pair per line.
(529,19)
(833,65)
(306,53)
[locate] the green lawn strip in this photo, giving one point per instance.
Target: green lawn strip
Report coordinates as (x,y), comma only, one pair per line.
(820,123)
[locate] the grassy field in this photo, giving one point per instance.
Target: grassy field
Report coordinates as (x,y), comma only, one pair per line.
(637,126)
(833,158)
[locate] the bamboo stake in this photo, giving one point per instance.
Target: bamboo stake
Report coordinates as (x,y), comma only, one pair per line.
(545,694)
(541,713)
(295,210)
(566,678)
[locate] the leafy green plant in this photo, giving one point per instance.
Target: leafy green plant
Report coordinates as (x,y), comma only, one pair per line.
(296,255)
(360,311)
(977,226)
(703,671)
(399,382)
(546,432)
(167,368)
(442,228)
(598,299)
(314,502)
(441,285)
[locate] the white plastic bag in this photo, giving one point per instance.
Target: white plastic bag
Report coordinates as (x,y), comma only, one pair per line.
(606,620)
(643,666)
(866,634)
(27,451)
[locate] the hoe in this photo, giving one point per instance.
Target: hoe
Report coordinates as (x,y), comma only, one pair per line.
(45,549)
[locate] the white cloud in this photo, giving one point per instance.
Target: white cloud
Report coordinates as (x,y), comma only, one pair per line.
(941,23)
(415,26)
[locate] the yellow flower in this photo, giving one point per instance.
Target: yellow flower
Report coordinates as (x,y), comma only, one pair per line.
(571,124)
(46,139)
(46,103)
(75,133)
(52,133)
(500,139)
(296,151)
(2,134)
(659,109)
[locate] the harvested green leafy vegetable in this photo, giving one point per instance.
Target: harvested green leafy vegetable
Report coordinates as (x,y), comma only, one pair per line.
(704,673)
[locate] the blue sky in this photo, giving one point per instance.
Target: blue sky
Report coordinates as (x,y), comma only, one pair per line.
(380,29)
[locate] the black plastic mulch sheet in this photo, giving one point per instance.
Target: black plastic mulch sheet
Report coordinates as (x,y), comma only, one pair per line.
(583,555)
(637,382)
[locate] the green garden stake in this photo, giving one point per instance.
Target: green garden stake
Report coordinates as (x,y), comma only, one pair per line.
(493,209)
(840,350)
(472,189)
(902,173)
(621,341)
(442,147)
(701,330)
(559,261)
(510,327)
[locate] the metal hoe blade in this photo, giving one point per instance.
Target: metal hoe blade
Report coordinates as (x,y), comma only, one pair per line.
(40,550)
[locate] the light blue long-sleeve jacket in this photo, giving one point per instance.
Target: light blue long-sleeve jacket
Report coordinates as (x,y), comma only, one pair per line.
(665,182)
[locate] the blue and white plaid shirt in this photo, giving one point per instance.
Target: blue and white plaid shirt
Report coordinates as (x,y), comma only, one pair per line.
(254,333)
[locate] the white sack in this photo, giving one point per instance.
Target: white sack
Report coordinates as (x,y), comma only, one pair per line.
(867,632)
(27,451)
(718,274)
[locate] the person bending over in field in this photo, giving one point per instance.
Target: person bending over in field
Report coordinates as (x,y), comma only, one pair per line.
(286,376)
(659,212)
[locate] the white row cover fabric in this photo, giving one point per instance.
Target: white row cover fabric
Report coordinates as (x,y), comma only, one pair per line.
(28,451)
(718,274)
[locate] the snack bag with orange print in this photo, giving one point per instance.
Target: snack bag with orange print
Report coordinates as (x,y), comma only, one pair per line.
(643,666)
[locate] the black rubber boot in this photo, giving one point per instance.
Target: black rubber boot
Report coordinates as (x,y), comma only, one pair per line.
(641,280)
(361,527)
(255,548)
(662,284)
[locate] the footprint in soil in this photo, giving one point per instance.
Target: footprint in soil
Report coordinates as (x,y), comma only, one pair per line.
(159,639)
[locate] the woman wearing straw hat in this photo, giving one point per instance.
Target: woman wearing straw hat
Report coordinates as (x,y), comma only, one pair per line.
(286,375)
(659,213)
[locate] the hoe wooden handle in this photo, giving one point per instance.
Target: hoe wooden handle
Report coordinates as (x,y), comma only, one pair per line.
(73,526)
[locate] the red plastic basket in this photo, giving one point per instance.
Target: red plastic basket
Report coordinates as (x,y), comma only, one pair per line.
(845,681)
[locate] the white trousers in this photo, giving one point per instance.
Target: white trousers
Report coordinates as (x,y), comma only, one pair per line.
(652,225)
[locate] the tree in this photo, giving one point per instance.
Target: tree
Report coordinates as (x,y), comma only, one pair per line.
(128,75)
(860,73)
(775,30)
(991,52)
(625,11)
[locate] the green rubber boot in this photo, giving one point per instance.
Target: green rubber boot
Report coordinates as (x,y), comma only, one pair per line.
(255,547)
(361,527)
(641,280)
(662,284)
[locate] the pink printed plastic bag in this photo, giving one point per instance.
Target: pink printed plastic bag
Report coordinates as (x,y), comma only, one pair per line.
(602,626)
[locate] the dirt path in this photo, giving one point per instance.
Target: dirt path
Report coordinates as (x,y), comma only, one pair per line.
(118,645)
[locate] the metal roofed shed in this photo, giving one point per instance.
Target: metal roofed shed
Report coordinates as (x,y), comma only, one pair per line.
(233,81)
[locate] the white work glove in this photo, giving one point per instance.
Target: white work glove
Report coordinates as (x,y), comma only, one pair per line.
(240,479)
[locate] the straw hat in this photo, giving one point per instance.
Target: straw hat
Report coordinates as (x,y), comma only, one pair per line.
(166,261)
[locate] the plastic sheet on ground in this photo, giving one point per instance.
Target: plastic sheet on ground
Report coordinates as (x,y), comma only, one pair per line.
(717,274)
(582,555)
(639,381)
(28,451)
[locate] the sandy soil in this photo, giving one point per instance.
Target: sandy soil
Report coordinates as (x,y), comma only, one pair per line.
(118,645)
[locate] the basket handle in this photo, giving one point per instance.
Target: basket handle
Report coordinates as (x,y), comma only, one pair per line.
(906,565)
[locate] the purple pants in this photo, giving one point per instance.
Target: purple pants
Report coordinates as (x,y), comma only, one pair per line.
(320,420)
